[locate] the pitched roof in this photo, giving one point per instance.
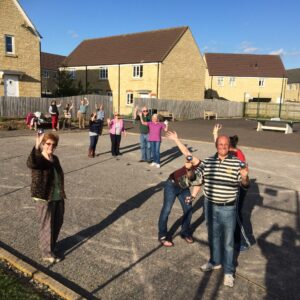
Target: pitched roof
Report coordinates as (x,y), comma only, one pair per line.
(51,61)
(143,47)
(293,75)
(28,23)
(244,65)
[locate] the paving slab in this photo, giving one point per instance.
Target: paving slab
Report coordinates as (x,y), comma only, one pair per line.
(109,237)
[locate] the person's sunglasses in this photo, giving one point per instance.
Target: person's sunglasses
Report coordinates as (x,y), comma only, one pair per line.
(144,110)
(51,144)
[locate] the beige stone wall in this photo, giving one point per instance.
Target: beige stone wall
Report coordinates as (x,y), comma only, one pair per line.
(292,92)
(127,83)
(182,75)
(27,50)
(246,86)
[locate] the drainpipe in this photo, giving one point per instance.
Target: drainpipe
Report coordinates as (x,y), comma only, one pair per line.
(157,83)
(281,94)
(211,90)
(86,80)
(119,92)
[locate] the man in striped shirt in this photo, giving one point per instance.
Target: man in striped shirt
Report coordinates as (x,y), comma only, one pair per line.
(221,176)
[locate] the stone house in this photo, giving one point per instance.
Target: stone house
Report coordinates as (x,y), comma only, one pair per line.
(50,64)
(165,64)
(292,92)
(244,77)
(20,72)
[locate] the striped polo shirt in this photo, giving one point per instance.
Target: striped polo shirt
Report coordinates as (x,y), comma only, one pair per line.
(221,179)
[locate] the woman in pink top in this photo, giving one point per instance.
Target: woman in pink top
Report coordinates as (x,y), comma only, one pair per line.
(155,128)
(116,128)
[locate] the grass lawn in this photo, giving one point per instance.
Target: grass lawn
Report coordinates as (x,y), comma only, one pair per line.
(15,286)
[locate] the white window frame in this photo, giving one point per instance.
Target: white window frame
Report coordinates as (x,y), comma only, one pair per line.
(103,73)
(73,73)
(129,98)
(232,81)
(220,81)
(46,74)
(138,71)
(12,44)
(261,82)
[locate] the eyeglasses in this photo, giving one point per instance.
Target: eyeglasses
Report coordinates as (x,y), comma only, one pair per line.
(51,144)
(145,110)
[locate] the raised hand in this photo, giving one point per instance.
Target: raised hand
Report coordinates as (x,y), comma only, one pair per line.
(172,135)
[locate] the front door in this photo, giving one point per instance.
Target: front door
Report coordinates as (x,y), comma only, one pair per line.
(11,85)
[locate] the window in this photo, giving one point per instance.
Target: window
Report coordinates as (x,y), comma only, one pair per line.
(45,74)
(261,82)
(72,73)
(109,93)
(129,99)
(103,73)
(9,44)
(138,71)
(232,81)
(220,81)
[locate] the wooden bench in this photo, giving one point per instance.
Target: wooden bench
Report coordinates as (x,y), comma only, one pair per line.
(165,115)
(209,114)
(287,125)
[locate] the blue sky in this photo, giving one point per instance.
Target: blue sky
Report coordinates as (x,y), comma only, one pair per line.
(225,26)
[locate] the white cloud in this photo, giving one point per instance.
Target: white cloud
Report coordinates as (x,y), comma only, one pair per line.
(73,34)
(278,52)
(247,47)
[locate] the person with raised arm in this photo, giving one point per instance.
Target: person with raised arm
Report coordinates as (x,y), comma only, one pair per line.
(221,176)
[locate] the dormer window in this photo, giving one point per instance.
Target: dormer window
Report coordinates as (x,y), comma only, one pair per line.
(9,44)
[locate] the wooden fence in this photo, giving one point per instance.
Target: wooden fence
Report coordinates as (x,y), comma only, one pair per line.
(287,111)
(18,107)
(184,110)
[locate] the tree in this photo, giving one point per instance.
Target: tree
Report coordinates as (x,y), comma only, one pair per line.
(66,85)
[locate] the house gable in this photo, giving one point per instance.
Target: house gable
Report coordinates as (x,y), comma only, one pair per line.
(24,61)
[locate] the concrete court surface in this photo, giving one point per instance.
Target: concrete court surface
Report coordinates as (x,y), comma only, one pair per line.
(109,237)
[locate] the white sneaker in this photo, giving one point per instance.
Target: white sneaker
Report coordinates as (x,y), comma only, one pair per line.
(209,267)
(153,164)
(157,166)
(228,280)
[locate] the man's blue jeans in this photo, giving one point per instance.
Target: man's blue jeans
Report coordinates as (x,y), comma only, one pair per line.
(221,226)
(155,150)
(145,147)
(171,191)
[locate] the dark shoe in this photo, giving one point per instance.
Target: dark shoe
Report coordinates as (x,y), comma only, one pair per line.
(141,160)
(188,239)
(165,242)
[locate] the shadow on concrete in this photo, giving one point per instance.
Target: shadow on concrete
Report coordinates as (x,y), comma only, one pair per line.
(68,283)
(73,242)
(283,263)
(171,154)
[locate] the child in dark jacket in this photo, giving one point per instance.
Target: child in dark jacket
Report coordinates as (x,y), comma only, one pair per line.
(94,132)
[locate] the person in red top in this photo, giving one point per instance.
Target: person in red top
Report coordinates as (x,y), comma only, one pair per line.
(240,236)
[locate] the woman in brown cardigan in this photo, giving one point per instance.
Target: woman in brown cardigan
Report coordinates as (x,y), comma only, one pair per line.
(47,190)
